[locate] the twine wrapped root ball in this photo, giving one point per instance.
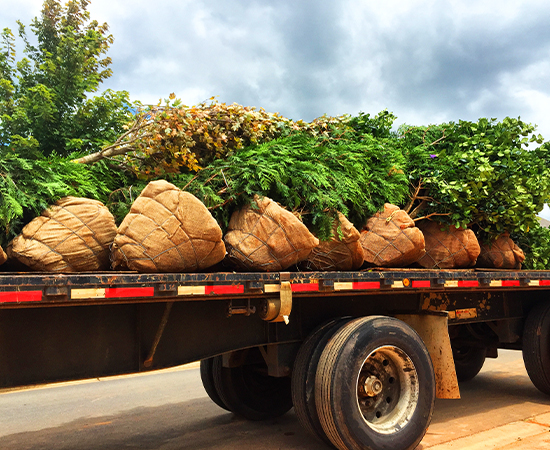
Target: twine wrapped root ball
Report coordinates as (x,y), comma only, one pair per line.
(73,235)
(448,247)
(503,253)
(342,252)
(267,237)
(167,230)
(391,239)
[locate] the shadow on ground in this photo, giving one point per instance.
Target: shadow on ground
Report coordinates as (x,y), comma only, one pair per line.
(200,425)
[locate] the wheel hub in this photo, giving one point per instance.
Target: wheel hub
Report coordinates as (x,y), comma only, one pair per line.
(373,386)
(387,389)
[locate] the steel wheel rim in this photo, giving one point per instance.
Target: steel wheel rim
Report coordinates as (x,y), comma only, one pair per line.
(387,389)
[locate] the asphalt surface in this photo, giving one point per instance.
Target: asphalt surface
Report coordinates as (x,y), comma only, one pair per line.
(169,410)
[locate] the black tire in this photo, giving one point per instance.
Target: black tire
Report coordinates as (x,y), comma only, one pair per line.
(249,392)
(207,378)
(468,361)
(375,386)
(303,377)
(536,346)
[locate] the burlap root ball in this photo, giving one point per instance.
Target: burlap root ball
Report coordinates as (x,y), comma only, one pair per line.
(448,247)
(3,256)
(503,253)
(267,237)
(167,230)
(73,235)
(391,239)
(342,252)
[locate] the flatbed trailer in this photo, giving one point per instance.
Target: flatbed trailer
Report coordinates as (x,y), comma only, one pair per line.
(360,355)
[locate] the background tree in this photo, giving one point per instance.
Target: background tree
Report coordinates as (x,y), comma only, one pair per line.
(45,103)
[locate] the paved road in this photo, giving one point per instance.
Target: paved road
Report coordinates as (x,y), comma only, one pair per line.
(499,409)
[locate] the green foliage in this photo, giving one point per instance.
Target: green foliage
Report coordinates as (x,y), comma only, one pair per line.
(314,177)
(535,243)
(478,174)
(28,186)
(45,105)
(379,126)
(121,199)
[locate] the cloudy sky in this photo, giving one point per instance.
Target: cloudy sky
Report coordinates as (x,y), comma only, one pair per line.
(426,61)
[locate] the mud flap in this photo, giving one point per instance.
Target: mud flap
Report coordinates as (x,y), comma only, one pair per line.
(433,329)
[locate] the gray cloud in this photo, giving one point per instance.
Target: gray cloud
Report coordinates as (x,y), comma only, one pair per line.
(426,61)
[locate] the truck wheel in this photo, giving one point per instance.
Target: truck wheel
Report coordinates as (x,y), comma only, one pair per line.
(249,392)
(303,377)
(375,386)
(536,346)
(468,361)
(207,378)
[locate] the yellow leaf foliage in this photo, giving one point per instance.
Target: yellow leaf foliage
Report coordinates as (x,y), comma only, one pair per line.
(173,136)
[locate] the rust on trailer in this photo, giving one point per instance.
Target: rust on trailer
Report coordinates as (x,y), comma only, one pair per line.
(433,330)
(440,290)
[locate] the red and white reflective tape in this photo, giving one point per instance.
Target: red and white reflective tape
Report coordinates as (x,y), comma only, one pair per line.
(504,283)
(356,285)
(295,287)
(20,296)
(461,283)
(539,282)
(215,289)
(17,296)
(128,292)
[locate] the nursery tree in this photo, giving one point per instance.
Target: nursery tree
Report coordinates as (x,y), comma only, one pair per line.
(28,186)
(478,174)
(172,137)
(313,176)
(45,102)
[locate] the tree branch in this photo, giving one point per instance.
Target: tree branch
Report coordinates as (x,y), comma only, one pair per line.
(419,208)
(121,146)
(414,197)
(431,215)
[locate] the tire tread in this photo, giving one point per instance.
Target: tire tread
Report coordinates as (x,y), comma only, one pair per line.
(536,334)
